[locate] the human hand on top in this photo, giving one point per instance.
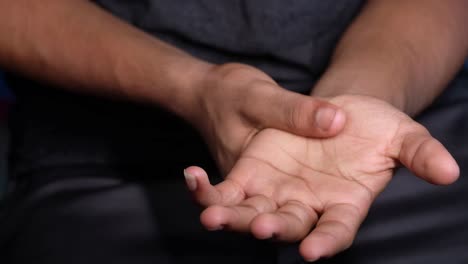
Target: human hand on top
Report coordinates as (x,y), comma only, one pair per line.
(236,101)
(294,188)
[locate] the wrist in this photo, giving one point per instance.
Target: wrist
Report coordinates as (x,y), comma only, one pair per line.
(176,83)
(188,79)
(205,83)
(365,82)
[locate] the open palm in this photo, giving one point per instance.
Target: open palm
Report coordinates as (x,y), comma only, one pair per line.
(319,191)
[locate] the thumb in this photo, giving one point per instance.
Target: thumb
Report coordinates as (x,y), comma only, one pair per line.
(428,159)
(296,113)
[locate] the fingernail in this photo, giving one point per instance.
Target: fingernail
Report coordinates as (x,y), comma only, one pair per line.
(190,180)
(326,117)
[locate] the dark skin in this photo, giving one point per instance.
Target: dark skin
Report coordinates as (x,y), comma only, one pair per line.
(77,45)
(312,189)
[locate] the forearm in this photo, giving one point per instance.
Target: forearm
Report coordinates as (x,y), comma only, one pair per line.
(76,45)
(404,52)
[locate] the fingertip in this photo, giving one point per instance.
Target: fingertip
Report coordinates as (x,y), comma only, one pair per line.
(453,173)
(444,172)
(196,178)
(195,171)
(433,163)
(330,120)
(190,181)
(309,251)
(428,159)
(213,218)
(263,226)
(338,122)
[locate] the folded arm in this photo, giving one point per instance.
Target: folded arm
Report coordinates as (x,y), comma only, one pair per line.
(79,46)
(403,52)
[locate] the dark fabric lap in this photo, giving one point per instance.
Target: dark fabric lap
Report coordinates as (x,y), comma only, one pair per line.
(95,217)
(98,181)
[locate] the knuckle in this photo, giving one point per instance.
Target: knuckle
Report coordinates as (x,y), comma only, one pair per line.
(296,116)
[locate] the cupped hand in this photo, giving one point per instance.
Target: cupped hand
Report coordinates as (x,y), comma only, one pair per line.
(318,191)
(236,101)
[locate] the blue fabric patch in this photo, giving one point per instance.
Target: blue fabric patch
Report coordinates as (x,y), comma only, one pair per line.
(5,93)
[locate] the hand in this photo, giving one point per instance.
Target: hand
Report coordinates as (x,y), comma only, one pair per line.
(294,188)
(237,101)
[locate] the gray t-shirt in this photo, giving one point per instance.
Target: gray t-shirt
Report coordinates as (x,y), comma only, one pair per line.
(290,40)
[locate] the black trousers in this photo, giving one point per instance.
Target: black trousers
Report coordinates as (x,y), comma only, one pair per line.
(94,209)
